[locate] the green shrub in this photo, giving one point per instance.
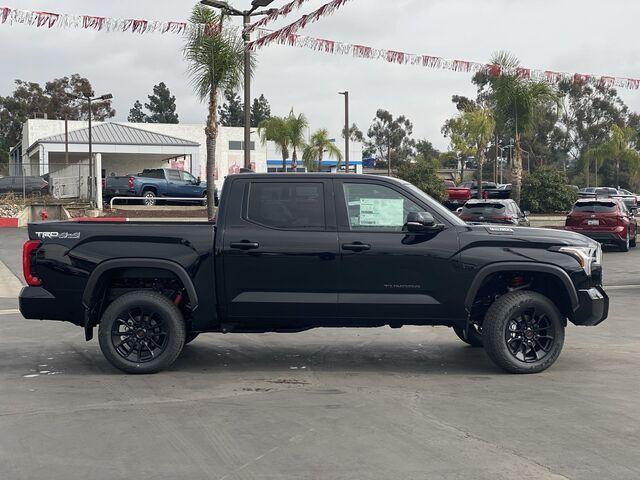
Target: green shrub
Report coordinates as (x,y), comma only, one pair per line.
(546,191)
(423,175)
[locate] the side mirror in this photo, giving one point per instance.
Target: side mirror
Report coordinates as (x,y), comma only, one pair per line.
(459,210)
(527,213)
(198,181)
(634,211)
(421,222)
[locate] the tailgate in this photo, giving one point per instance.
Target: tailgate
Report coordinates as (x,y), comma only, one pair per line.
(117,183)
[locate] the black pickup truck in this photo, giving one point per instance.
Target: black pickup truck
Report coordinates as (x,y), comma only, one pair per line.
(291,252)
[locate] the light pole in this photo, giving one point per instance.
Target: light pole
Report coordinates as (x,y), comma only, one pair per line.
(347,133)
(246,19)
(90,99)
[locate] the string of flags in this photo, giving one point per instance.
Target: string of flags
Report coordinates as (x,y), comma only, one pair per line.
(292,28)
(48,20)
(287,36)
(433,62)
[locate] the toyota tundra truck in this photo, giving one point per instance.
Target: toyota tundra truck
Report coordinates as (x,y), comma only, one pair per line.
(293,252)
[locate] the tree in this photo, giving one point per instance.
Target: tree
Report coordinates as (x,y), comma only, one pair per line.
(355,134)
(390,137)
(296,126)
(470,133)
(516,102)
(56,100)
(318,145)
(619,153)
(428,152)
(232,110)
(423,174)
(260,111)
(215,57)
(546,191)
(275,129)
(162,105)
(136,114)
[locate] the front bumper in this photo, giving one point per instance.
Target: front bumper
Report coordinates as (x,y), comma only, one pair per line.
(594,307)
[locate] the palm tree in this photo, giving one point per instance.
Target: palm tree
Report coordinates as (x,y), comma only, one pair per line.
(620,151)
(296,125)
(215,58)
(318,145)
(275,129)
(516,101)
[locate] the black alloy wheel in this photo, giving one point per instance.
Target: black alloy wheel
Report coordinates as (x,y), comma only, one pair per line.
(141,332)
(523,332)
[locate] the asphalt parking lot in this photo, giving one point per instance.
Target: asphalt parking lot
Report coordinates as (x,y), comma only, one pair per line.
(414,403)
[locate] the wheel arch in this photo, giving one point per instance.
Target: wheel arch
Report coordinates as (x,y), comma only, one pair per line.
(525,267)
(103,269)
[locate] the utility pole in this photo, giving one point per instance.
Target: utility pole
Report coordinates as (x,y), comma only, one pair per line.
(246,37)
(90,154)
(246,19)
(347,133)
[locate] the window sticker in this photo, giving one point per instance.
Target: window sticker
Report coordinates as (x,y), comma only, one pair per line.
(381,212)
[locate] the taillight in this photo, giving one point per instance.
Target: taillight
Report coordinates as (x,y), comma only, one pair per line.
(130,182)
(28,253)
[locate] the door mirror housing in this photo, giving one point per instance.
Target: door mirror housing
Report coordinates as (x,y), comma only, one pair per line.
(526,213)
(198,181)
(421,222)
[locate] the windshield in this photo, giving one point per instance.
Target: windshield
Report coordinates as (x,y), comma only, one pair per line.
(595,207)
(437,207)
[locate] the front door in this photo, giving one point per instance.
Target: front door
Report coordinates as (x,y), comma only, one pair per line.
(281,251)
(386,272)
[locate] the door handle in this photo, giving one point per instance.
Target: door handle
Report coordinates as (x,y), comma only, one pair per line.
(356,247)
(245,245)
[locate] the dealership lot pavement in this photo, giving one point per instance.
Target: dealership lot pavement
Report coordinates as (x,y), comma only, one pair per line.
(413,403)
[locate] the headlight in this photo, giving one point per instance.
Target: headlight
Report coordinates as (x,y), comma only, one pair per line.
(586,256)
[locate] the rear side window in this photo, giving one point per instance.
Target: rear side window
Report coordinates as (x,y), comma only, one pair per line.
(484,209)
(596,207)
(153,174)
(287,205)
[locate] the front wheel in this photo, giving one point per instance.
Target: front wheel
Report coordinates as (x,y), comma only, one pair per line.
(523,332)
(141,332)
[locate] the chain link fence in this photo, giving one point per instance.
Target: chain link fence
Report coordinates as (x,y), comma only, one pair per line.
(63,181)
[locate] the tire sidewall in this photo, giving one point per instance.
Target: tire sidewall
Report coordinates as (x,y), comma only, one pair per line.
(171,316)
(149,198)
(495,324)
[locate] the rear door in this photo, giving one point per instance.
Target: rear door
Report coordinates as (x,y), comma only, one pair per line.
(280,250)
(385,272)
(175,184)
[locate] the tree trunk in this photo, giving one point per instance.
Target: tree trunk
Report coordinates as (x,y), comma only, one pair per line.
(285,157)
(389,160)
(517,171)
(294,159)
(320,159)
(211,131)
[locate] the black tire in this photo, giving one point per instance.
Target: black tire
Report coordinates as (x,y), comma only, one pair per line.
(625,244)
(191,336)
(633,242)
(149,198)
(530,317)
(150,320)
(472,336)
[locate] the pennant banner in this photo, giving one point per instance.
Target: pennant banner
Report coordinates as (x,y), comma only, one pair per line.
(403,58)
(275,14)
(88,22)
(283,34)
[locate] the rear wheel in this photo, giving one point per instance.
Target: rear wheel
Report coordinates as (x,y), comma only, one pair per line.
(633,241)
(141,332)
(149,198)
(471,335)
(523,332)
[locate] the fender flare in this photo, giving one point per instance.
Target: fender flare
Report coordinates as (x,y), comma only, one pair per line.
(156,263)
(557,272)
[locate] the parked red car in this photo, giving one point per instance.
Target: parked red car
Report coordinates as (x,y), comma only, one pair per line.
(605,220)
(456,196)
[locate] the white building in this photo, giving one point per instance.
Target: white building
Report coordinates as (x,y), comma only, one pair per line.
(128,148)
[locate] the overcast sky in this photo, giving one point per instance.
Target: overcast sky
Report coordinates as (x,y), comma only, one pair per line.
(585,36)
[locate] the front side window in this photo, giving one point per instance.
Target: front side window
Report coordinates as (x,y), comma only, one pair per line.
(377,208)
(287,205)
(173,176)
(187,177)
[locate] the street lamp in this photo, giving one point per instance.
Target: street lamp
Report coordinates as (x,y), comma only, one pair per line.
(89,99)
(347,133)
(246,17)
